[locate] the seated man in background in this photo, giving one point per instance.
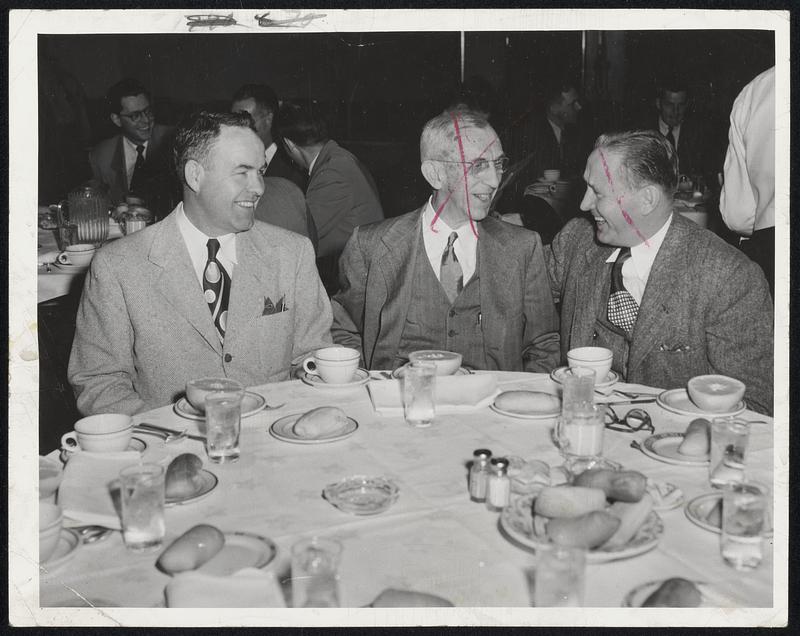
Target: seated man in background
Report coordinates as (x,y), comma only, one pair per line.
(446,276)
(669,298)
(341,193)
(208,291)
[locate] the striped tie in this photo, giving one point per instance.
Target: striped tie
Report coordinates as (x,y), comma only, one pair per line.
(216,288)
(622,307)
(450,275)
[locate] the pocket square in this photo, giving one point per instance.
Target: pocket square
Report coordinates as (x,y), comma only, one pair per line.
(272,308)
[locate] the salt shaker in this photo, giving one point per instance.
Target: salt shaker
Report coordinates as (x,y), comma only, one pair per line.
(498,486)
(479,474)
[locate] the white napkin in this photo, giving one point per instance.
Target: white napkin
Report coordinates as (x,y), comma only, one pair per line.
(454,394)
(246,588)
(84,495)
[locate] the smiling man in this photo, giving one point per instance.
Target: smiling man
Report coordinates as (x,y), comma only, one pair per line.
(669,298)
(447,276)
(208,291)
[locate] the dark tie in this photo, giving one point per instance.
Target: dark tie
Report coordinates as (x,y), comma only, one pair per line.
(671,138)
(216,288)
(138,169)
(622,308)
(450,274)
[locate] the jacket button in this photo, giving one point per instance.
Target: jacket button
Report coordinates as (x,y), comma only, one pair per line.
(594,336)
(452,333)
(228,357)
(452,313)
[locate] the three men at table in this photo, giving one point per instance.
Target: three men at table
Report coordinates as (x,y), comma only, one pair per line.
(208,291)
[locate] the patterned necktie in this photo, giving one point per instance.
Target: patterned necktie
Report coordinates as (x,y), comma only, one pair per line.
(671,138)
(450,275)
(622,307)
(138,169)
(216,288)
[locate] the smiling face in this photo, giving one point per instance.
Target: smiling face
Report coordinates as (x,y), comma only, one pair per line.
(135,119)
(569,107)
(672,107)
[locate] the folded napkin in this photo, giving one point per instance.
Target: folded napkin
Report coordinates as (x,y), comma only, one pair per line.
(84,494)
(454,394)
(246,588)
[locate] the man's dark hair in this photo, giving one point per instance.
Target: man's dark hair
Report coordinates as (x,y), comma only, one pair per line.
(672,83)
(262,94)
(553,90)
(128,87)
(646,157)
(196,134)
(303,124)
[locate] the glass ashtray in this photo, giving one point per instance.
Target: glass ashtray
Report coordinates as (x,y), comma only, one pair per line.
(362,495)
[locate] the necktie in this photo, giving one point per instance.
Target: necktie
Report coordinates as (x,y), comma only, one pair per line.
(216,288)
(450,275)
(671,138)
(622,307)
(138,169)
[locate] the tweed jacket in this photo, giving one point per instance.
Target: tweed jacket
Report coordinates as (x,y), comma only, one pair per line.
(143,327)
(284,205)
(519,321)
(706,308)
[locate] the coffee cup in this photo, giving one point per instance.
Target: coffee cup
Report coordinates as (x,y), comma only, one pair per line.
(335,365)
(446,362)
(597,358)
(103,433)
(79,255)
(552,175)
(50,518)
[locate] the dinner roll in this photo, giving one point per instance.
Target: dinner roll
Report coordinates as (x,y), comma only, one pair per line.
(586,531)
(320,422)
(631,516)
(697,438)
(619,485)
(675,592)
(568,501)
(190,550)
(183,478)
(527,402)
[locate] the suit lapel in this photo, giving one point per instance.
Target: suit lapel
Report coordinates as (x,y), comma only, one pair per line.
(495,278)
(591,287)
(118,170)
(247,299)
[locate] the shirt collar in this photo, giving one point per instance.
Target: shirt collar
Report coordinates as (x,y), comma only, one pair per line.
(442,229)
(133,145)
(269,153)
(664,128)
(645,253)
(196,240)
(313,161)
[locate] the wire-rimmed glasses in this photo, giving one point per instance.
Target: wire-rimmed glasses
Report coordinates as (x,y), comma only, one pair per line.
(634,421)
(139,115)
(479,166)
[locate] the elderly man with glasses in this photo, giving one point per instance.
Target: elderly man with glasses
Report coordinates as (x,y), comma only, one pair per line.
(447,276)
(136,162)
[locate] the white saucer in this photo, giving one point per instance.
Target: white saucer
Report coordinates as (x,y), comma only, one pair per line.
(398,373)
(68,543)
(282,429)
(664,448)
(360,378)
(557,375)
(677,401)
(136,444)
(543,415)
(69,267)
(241,550)
(698,508)
(251,403)
(210,482)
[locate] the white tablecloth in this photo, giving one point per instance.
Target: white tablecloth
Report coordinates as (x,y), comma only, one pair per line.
(433,539)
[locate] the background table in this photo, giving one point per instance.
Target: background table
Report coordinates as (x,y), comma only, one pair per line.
(433,539)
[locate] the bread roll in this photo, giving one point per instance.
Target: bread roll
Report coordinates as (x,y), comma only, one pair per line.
(568,501)
(183,478)
(631,516)
(696,439)
(527,402)
(619,485)
(675,593)
(587,531)
(714,516)
(320,422)
(193,548)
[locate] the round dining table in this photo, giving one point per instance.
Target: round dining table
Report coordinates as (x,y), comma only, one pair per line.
(433,539)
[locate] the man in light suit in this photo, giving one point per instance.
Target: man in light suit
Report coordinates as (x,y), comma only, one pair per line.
(447,276)
(669,298)
(136,161)
(208,291)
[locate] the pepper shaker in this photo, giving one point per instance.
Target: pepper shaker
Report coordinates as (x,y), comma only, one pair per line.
(498,489)
(479,474)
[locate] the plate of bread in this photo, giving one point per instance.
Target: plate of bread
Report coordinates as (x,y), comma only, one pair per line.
(317,426)
(186,480)
(690,448)
(705,511)
(527,405)
(676,592)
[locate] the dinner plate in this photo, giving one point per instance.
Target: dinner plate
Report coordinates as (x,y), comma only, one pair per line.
(557,375)
(360,378)
(282,429)
(698,509)
(677,401)
(69,267)
(710,596)
(664,448)
(241,550)
(136,444)
(68,543)
(517,522)
(543,415)
(251,403)
(209,483)
(397,374)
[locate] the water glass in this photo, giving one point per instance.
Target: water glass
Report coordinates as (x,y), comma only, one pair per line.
(558,578)
(88,209)
(579,431)
(744,514)
(419,383)
(142,497)
(577,387)
(223,425)
(315,564)
(729,437)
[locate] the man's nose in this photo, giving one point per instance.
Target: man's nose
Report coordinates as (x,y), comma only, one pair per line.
(588,201)
(256,184)
(492,176)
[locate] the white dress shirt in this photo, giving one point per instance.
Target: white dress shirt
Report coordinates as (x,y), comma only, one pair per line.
(196,243)
(131,155)
(435,241)
(269,153)
(636,270)
(557,130)
(664,128)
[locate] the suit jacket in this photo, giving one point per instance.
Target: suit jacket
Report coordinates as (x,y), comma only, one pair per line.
(695,156)
(341,195)
(706,308)
(284,205)
(376,273)
(107,160)
(283,166)
(143,327)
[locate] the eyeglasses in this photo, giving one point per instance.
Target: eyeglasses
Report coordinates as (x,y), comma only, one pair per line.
(139,115)
(479,166)
(635,420)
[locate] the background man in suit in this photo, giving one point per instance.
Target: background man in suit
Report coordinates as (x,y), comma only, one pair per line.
(447,276)
(137,161)
(208,291)
(670,299)
(341,192)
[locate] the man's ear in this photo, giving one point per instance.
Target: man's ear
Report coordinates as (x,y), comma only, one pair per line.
(268,117)
(116,119)
(193,174)
(432,171)
(650,196)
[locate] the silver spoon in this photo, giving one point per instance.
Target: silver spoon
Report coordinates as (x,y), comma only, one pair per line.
(168,437)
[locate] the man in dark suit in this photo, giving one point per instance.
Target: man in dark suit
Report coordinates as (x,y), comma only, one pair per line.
(447,276)
(137,162)
(669,298)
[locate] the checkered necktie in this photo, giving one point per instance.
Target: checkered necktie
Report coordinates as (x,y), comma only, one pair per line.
(622,308)
(216,288)
(450,275)
(138,169)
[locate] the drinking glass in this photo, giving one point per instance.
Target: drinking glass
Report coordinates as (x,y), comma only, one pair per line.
(579,431)
(315,564)
(142,496)
(223,425)
(88,209)
(744,512)
(557,580)
(729,438)
(419,382)
(577,387)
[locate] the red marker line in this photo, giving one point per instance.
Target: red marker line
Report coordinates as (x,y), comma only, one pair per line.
(625,215)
